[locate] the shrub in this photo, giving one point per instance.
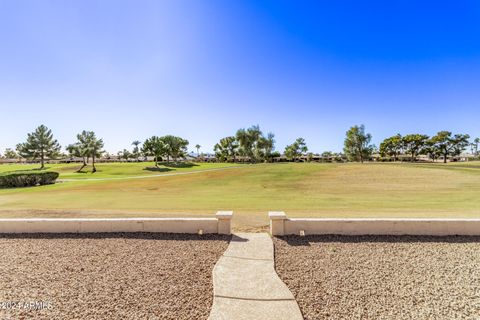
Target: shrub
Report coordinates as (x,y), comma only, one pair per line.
(18,180)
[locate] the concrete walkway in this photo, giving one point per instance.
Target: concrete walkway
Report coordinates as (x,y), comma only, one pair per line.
(246,285)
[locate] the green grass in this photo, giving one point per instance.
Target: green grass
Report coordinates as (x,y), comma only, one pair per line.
(111,170)
(311,190)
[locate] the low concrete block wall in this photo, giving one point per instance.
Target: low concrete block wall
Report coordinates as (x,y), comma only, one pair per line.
(281,225)
(219,224)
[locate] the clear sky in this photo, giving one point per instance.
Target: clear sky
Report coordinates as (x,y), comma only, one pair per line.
(201,69)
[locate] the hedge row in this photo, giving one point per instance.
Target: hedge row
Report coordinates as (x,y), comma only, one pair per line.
(16,180)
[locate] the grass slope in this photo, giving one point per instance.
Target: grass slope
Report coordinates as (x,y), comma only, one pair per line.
(320,190)
(112,170)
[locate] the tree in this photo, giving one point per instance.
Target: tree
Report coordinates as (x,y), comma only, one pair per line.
(96,147)
(391,147)
(414,144)
(136,149)
(460,143)
(39,145)
(327,155)
(309,157)
(357,144)
(125,154)
(266,146)
(226,149)
(431,149)
(246,139)
(296,149)
(473,146)
(75,150)
(175,147)
(84,148)
(197,146)
(154,147)
(10,154)
(254,145)
(450,145)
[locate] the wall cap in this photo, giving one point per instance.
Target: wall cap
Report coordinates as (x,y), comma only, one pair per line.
(100,219)
(277,215)
(224,215)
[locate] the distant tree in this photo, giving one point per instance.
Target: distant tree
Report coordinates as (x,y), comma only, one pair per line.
(357,144)
(309,157)
(10,154)
(136,149)
(74,150)
(39,145)
(265,147)
(275,154)
(83,147)
(125,154)
(226,149)
(95,147)
(197,146)
(327,154)
(247,139)
(175,147)
(154,147)
(391,147)
(254,144)
(414,144)
(450,145)
(473,146)
(431,149)
(296,149)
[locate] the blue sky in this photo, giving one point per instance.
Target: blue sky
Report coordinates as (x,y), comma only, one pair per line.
(202,69)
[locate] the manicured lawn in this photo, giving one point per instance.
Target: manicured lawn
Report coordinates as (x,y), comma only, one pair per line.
(302,189)
(111,170)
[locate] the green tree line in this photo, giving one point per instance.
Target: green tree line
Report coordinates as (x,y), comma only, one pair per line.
(249,145)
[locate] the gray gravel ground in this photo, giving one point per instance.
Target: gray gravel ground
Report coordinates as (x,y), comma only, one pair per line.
(109,276)
(382,277)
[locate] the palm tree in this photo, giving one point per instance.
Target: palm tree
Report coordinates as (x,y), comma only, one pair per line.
(198,150)
(136,149)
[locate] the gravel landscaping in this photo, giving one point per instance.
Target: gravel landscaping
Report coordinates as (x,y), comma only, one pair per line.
(108,276)
(382,277)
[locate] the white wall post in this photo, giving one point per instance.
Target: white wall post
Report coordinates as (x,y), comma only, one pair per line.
(224,222)
(277,223)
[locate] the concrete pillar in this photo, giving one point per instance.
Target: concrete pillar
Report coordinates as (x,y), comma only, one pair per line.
(224,222)
(277,223)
